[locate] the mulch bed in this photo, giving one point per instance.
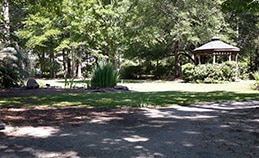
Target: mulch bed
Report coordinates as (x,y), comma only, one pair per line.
(16,92)
(39,116)
(61,116)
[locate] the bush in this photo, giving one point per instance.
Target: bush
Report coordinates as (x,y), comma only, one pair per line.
(256,75)
(9,76)
(12,68)
(200,73)
(188,72)
(161,72)
(132,72)
(255,86)
(243,70)
(104,76)
(214,73)
(209,73)
(229,71)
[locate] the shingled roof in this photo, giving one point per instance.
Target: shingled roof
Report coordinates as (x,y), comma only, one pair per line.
(216,45)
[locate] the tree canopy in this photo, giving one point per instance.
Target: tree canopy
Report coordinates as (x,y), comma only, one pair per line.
(127,32)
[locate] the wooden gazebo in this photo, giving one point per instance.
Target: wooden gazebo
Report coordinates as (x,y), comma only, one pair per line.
(215,48)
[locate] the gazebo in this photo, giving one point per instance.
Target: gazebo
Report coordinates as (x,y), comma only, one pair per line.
(215,48)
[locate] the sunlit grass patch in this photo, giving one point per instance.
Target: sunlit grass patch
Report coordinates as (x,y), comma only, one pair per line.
(168,94)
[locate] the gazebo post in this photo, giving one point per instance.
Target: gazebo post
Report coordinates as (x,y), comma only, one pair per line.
(214,58)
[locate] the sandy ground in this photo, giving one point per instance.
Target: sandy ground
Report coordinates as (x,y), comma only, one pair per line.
(208,130)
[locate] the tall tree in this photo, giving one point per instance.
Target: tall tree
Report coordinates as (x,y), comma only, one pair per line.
(6,21)
(244,18)
(166,28)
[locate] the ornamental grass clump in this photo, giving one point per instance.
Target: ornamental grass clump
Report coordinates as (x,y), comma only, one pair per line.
(256,77)
(104,76)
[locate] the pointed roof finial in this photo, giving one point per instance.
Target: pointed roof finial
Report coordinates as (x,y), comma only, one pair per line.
(215,38)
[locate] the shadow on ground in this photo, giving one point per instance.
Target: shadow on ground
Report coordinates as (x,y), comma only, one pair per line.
(196,131)
(119,99)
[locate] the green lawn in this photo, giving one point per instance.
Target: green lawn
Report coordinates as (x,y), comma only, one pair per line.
(149,94)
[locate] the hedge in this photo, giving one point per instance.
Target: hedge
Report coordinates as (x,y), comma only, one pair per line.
(214,73)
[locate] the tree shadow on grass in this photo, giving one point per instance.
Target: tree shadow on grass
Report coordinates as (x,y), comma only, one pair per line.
(208,130)
(130,99)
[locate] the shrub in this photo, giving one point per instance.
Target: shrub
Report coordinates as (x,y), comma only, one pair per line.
(210,73)
(12,68)
(104,75)
(256,86)
(200,73)
(229,71)
(243,68)
(131,72)
(188,72)
(214,74)
(256,75)
(9,76)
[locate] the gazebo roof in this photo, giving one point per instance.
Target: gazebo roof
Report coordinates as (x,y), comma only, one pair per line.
(216,45)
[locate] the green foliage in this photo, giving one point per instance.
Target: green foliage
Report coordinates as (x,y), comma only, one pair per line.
(244,69)
(210,73)
(13,66)
(133,29)
(241,6)
(131,72)
(135,72)
(48,66)
(188,72)
(256,86)
(9,76)
(41,84)
(256,75)
(185,94)
(70,83)
(160,69)
(229,70)
(104,76)
(243,17)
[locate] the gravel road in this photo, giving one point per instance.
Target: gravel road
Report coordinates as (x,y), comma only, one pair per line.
(211,130)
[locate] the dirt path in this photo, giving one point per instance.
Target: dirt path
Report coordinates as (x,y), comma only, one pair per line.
(197,131)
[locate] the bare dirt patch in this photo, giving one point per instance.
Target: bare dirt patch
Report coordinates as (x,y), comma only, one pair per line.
(60,116)
(207,130)
(197,131)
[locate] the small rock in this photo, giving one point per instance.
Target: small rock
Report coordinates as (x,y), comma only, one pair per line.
(48,85)
(32,84)
(2,126)
(120,87)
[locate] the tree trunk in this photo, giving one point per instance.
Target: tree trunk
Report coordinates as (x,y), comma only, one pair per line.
(68,65)
(6,17)
(79,64)
(79,69)
(73,64)
(64,63)
(177,70)
(52,62)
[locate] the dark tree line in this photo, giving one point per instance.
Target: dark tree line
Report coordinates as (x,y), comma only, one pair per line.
(68,36)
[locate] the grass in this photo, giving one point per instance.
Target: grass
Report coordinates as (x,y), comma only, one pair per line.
(180,94)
